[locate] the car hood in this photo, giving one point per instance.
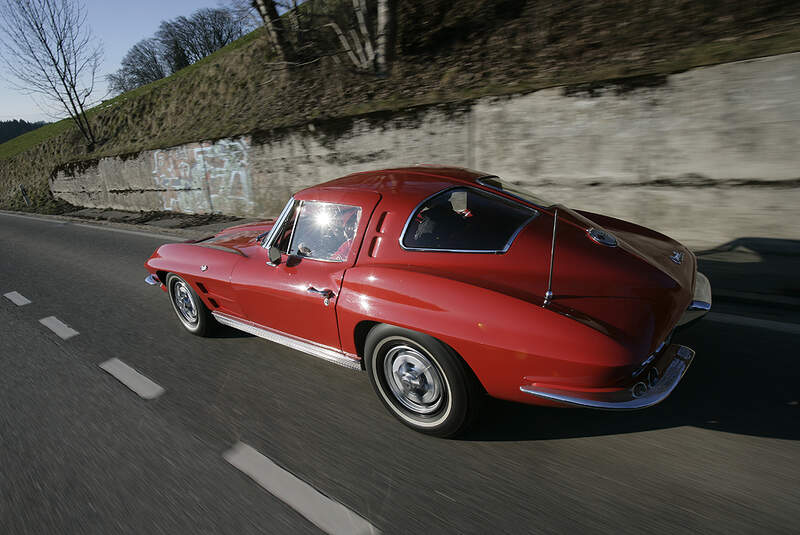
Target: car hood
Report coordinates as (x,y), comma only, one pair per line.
(238,236)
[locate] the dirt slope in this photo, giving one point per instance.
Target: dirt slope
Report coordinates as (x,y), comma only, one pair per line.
(441,51)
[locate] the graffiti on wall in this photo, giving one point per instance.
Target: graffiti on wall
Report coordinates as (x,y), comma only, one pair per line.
(228,172)
(205,177)
(181,176)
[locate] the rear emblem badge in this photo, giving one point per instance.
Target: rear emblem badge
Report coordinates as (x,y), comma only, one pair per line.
(676,257)
(205,268)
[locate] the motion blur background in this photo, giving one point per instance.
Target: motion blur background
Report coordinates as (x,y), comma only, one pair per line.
(678,115)
(682,116)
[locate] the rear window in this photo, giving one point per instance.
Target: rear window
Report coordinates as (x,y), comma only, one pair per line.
(465,220)
(507,187)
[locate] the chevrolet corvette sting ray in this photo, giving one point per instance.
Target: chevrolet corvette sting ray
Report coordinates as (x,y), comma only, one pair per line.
(445,285)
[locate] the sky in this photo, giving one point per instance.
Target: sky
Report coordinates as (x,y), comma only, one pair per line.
(119,25)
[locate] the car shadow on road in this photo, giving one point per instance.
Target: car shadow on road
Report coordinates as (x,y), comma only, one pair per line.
(744,379)
(224,331)
(756,266)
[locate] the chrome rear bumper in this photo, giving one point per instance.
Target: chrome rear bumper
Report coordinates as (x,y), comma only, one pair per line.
(152,280)
(624,400)
(701,301)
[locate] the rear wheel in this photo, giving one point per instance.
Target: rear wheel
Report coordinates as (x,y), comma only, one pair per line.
(194,315)
(421,380)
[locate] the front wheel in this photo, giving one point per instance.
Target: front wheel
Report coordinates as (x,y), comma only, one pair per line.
(421,380)
(194,315)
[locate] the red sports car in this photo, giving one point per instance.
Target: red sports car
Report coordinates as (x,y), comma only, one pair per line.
(446,284)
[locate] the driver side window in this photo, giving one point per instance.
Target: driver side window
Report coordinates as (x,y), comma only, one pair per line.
(281,240)
(319,230)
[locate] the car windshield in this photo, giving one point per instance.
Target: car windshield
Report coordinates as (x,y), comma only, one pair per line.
(324,231)
(516,191)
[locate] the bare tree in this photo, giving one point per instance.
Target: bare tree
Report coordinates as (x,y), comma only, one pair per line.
(177,44)
(298,37)
(50,50)
(365,52)
(244,12)
(186,40)
(211,29)
(172,38)
(120,82)
(268,10)
(140,66)
(381,37)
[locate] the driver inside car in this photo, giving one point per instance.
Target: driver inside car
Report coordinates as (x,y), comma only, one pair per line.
(349,219)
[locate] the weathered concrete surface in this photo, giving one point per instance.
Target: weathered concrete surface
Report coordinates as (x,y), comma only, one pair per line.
(732,121)
(193,178)
(707,156)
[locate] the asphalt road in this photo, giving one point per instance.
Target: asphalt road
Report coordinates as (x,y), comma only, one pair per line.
(81,453)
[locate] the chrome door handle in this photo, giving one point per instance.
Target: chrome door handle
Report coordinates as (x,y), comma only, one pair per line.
(326,294)
(323,293)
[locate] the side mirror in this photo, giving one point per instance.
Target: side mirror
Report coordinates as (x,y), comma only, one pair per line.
(274,255)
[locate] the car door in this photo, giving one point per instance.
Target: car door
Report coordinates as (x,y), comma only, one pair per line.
(319,240)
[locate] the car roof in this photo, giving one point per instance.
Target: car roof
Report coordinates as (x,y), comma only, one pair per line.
(417,182)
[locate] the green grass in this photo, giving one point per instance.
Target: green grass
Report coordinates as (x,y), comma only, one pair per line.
(31,139)
(19,144)
(700,55)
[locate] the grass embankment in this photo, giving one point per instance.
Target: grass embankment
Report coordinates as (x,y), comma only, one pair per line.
(442,51)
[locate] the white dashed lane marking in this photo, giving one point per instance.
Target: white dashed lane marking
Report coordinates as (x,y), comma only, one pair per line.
(719,317)
(59,327)
(134,380)
(17,298)
(328,515)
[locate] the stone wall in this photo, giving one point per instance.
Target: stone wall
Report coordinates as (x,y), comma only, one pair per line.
(707,156)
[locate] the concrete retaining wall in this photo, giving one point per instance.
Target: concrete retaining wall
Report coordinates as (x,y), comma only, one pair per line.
(707,156)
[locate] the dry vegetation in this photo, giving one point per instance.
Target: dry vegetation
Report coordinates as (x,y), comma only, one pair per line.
(441,51)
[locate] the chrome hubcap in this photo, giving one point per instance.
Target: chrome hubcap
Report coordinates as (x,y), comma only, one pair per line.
(413,379)
(184,302)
